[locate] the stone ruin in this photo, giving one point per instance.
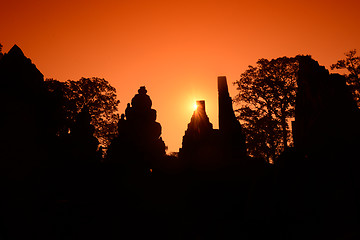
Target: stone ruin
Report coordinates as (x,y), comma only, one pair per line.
(139,140)
(326,115)
(203,143)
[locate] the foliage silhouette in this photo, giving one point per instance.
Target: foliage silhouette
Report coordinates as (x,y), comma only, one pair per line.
(352,64)
(267,102)
(95,93)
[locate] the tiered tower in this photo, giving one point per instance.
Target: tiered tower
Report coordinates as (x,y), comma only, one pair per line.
(139,142)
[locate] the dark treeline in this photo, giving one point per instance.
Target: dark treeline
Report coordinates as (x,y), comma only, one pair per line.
(71,168)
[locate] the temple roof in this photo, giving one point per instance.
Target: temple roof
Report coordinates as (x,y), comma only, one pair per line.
(16,51)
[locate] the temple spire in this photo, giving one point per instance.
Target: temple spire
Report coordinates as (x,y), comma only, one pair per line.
(229,126)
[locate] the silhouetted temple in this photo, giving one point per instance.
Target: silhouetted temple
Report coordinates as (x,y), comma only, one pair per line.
(326,114)
(318,179)
(200,137)
(29,115)
(139,141)
(230,128)
(201,141)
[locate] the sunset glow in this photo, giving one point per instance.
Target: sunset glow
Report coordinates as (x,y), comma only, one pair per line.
(195,106)
(174,48)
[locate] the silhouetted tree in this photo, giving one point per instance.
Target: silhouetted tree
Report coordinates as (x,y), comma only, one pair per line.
(267,98)
(95,93)
(352,64)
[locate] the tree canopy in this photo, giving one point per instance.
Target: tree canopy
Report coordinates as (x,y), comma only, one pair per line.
(351,63)
(94,93)
(266,102)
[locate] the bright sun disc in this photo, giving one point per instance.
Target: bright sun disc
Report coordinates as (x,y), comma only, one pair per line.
(195,106)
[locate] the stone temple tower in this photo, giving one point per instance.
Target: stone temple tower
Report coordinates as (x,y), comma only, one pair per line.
(139,144)
(200,139)
(229,127)
(199,133)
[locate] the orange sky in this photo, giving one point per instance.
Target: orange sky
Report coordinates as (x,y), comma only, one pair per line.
(175,48)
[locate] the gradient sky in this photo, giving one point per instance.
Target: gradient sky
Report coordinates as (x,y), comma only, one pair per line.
(175,48)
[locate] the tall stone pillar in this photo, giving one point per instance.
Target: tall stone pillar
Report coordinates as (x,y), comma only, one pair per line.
(229,127)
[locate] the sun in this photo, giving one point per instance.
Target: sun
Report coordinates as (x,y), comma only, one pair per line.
(195,106)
